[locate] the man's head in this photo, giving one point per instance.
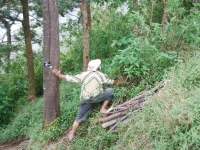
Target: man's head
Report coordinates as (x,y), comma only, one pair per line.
(93,65)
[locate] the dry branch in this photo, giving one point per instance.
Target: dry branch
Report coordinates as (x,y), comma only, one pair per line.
(111,122)
(115,115)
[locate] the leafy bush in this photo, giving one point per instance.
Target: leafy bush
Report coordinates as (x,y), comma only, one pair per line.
(142,61)
(190,73)
(69,100)
(38,70)
(107,26)
(6,102)
(15,84)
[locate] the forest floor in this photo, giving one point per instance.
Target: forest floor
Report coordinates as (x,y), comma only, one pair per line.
(25,143)
(22,145)
(16,145)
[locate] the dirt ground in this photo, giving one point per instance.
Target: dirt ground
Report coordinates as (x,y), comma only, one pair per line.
(18,145)
(23,144)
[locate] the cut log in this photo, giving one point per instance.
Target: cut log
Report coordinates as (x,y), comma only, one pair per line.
(122,120)
(113,116)
(120,113)
(111,122)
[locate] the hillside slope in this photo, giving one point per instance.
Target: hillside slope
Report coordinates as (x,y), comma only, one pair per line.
(170,119)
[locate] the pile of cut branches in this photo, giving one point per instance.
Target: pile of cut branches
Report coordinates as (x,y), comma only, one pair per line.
(121,113)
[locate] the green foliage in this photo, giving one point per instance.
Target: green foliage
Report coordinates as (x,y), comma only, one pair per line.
(143,61)
(132,45)
(17,78)
(170,121)
(73,54)
(158,12)
(190,73)
(15,84)
(69,61)
(6,102)
(69,95)
(38,70)
(28,120)
(95,137)
(26,123)
(107,26)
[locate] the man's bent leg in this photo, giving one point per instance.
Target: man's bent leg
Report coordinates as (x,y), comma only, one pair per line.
(82,115)
(73,131)
(108,96)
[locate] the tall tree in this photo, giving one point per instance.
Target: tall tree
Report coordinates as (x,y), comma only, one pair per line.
(51,58)
(86,23)
(29,51)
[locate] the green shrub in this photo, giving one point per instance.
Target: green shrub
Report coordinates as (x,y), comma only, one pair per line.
(6,103)
(142,61)
(14,84)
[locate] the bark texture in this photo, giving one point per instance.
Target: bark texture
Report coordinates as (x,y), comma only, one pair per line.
(86,23)
(51,53)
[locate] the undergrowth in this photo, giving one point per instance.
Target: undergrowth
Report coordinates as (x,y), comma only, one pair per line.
(169,119)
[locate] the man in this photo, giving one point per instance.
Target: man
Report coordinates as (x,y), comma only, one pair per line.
(91,91)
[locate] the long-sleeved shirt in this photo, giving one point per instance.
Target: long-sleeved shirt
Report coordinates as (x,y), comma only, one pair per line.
(92,84)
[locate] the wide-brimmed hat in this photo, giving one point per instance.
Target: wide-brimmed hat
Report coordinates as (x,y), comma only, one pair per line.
(93,65)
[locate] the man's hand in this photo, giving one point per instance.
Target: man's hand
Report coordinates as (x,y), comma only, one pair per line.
(56,72)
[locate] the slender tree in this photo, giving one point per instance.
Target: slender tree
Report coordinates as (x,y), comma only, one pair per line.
(86,23)
(29,51)
(51,58)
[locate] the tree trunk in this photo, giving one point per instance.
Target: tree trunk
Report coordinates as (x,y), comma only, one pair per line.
(51,56)
(8,32)
(89,16)
(165,17)
(29,52)
(8,42)
(135,5)
(86,23)
(8,29)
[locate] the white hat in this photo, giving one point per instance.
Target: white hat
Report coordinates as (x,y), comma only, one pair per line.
(93,65)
